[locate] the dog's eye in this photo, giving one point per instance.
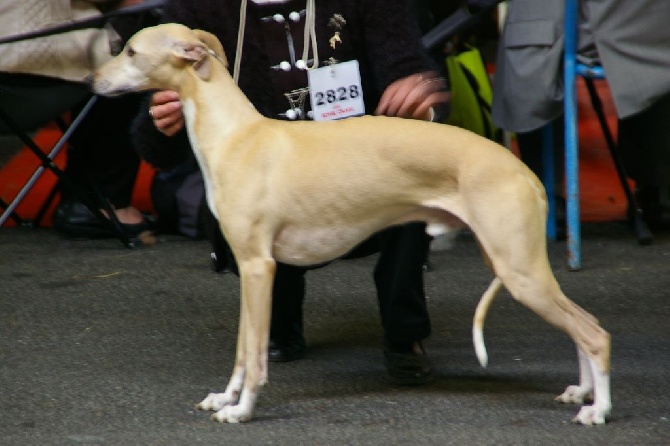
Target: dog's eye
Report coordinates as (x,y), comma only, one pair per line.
(130,52)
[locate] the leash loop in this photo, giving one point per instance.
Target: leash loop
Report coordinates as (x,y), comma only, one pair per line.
(309,37)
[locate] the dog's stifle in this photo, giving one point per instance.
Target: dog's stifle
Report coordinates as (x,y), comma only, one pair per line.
(360,175)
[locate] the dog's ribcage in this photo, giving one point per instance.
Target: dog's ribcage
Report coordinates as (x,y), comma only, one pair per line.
(309,246)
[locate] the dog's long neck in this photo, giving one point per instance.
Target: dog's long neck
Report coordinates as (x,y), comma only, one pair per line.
(217,113)
(216,107)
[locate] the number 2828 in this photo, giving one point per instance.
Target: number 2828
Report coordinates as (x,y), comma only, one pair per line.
(341,94)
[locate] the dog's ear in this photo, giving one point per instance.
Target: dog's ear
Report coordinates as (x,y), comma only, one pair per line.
(189,51)
(213,43)
(196,54)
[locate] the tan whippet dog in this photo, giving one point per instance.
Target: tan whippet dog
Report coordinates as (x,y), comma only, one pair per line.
(304,193)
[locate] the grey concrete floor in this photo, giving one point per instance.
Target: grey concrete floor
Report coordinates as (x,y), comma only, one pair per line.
(104,345)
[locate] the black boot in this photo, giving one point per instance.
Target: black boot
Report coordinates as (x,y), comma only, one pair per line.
(285,351)
(287,342)
(407,363)
(655,205)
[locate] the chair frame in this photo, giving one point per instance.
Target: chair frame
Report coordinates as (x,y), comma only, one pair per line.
(47,159)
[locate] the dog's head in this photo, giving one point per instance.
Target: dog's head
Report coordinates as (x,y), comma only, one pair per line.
(156,58)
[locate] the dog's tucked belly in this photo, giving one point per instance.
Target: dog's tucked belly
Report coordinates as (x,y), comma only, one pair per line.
(306,245)
(311,246)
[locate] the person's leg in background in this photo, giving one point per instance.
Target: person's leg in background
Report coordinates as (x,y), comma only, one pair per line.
(100,151)
(287,341)
(402,302)
(644,140)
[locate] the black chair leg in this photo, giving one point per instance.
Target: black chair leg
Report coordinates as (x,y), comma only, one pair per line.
(644,236)
(13,214)
(95,204)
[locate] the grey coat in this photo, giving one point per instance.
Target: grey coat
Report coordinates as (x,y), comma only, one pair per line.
(632,39)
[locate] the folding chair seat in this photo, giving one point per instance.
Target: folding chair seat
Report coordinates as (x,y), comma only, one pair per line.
(28,102)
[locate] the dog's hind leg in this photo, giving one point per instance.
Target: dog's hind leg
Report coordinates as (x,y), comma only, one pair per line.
(251,364)
(536,288)
(582,393)
(517,251)
(594,385)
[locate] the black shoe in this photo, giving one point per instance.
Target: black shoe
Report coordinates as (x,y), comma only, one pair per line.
(75,220)
(407,364)
(285,351)
(655,205)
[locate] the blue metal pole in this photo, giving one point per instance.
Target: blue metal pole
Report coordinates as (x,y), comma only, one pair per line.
(571,138)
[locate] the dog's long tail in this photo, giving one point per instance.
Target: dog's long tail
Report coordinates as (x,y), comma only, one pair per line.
(478,322)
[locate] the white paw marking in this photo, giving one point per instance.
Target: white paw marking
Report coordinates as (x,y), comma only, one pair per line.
(216,401)
(232,414)
(575,395)
(591,415)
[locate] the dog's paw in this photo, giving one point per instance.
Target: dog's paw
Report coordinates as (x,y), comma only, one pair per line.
(216,402)
(591,415)
(575,395)
(232,414)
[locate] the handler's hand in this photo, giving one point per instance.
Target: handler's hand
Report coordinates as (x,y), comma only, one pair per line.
(414,96)
(165,110)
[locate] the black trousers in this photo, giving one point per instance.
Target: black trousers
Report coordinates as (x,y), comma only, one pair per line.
(101,149)
(644,140)
(398,277)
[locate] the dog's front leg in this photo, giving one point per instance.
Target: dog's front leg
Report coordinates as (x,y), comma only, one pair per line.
(256,277)
(217,401)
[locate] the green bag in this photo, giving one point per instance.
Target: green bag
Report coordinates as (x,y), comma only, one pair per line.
(471,94)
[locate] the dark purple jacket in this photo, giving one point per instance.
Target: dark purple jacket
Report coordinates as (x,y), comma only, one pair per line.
(382,35)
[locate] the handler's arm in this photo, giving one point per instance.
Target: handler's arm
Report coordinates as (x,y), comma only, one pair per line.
(412,86)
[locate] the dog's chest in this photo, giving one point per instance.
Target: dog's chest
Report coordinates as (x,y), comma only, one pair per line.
(310,246)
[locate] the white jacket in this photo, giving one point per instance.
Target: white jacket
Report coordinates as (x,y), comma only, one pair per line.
(69,56)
